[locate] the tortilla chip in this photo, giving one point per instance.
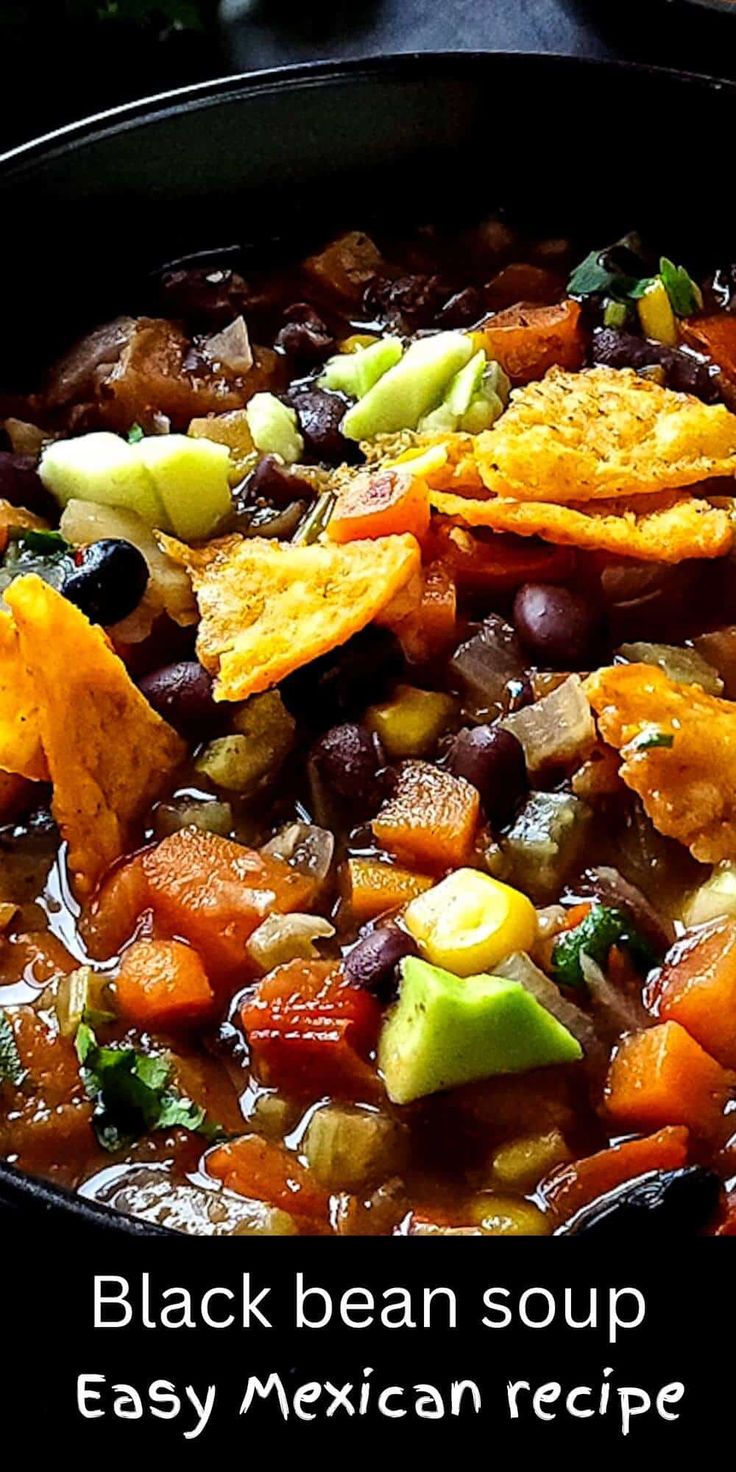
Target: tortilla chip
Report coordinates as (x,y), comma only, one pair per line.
(269,607)
(20,735)
(687,783)
(601,433)
(661,529)
(16,518)
(108,752)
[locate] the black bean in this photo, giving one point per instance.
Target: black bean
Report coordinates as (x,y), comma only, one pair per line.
(347,762)
(408,302)
(493,761)
(372,963)
(182,694)
(685,372)
(557,626)
(206,296)
(107,580)
(462,309)
(276,483)
(664,1204)
(320,414)
(340,684)
(305,338)
(21,484)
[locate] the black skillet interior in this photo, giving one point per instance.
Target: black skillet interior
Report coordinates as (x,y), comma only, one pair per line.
(255,164)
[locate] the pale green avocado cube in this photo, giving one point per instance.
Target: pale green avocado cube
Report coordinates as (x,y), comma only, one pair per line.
(191,477)
(411,389)
(355,373)
(104,468)
(274,428)
(473,400)
(447,1030)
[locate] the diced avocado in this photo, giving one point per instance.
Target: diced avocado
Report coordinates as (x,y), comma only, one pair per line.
(355,373)
(411,389)
(192,478)
(104,468)
(274,427)
(411,723)
(445,1031)
(470,921)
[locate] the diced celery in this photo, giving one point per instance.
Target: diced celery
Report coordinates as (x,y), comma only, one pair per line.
(82,996)
(521,1163)
(545,841)
(412,722)
(262,736)
(685,666)
(411,389)
(274,427)
(355,372)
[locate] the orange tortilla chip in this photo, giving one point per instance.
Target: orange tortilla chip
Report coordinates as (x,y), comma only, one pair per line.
(575,437)
(269,607)
(664,529)
(679,753)
(108,752)
(21,751)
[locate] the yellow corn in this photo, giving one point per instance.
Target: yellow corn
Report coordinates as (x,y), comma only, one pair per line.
(510,1216)
(469,922)
(656,316)
(521,1163)
(411,723)
(356,341)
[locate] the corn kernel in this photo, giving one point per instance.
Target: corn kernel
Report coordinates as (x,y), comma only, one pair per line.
(411,723)
(510,1216)
(656,315)
(469,922)
(356,341)
(521,1163)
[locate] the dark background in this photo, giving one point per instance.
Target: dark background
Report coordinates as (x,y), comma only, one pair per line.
(52,71)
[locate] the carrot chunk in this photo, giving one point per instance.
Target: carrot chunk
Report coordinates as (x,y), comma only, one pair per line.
(214,894)
(312,1034)
(572,1186)
(431,818)
(662,1076)
(265,1171)
(697,988)
(528,340)
(428,630)
(162,983)
(715,336)
(375,888)
(379,505)
(112,918)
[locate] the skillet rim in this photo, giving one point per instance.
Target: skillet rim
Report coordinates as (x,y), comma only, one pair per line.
(21,1191)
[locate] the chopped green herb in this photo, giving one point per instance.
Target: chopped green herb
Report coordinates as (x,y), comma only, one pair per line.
(43,543)
(602,928)
(135,434)
(684,293)
(650,738)
(595,276)
(44,552)
(133,1093)
(11,1068)
(316,519)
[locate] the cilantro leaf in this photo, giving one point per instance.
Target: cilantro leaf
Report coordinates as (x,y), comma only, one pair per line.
(11,1067)
(651,737)
(133,1093)
(135,434)
(602,928)
(684,293)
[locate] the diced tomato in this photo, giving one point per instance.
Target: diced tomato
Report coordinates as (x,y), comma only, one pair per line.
(716,337)
(162,983)
(697,988)
(264,1171)
(527,340)
(499,565)
(380,504)
(310,1033)
(662,1076)
(571,1186)
(214,893)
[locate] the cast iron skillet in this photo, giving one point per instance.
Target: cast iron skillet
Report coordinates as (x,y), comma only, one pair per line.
(287,156)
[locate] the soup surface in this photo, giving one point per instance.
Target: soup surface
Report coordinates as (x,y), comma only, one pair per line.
(368,746)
